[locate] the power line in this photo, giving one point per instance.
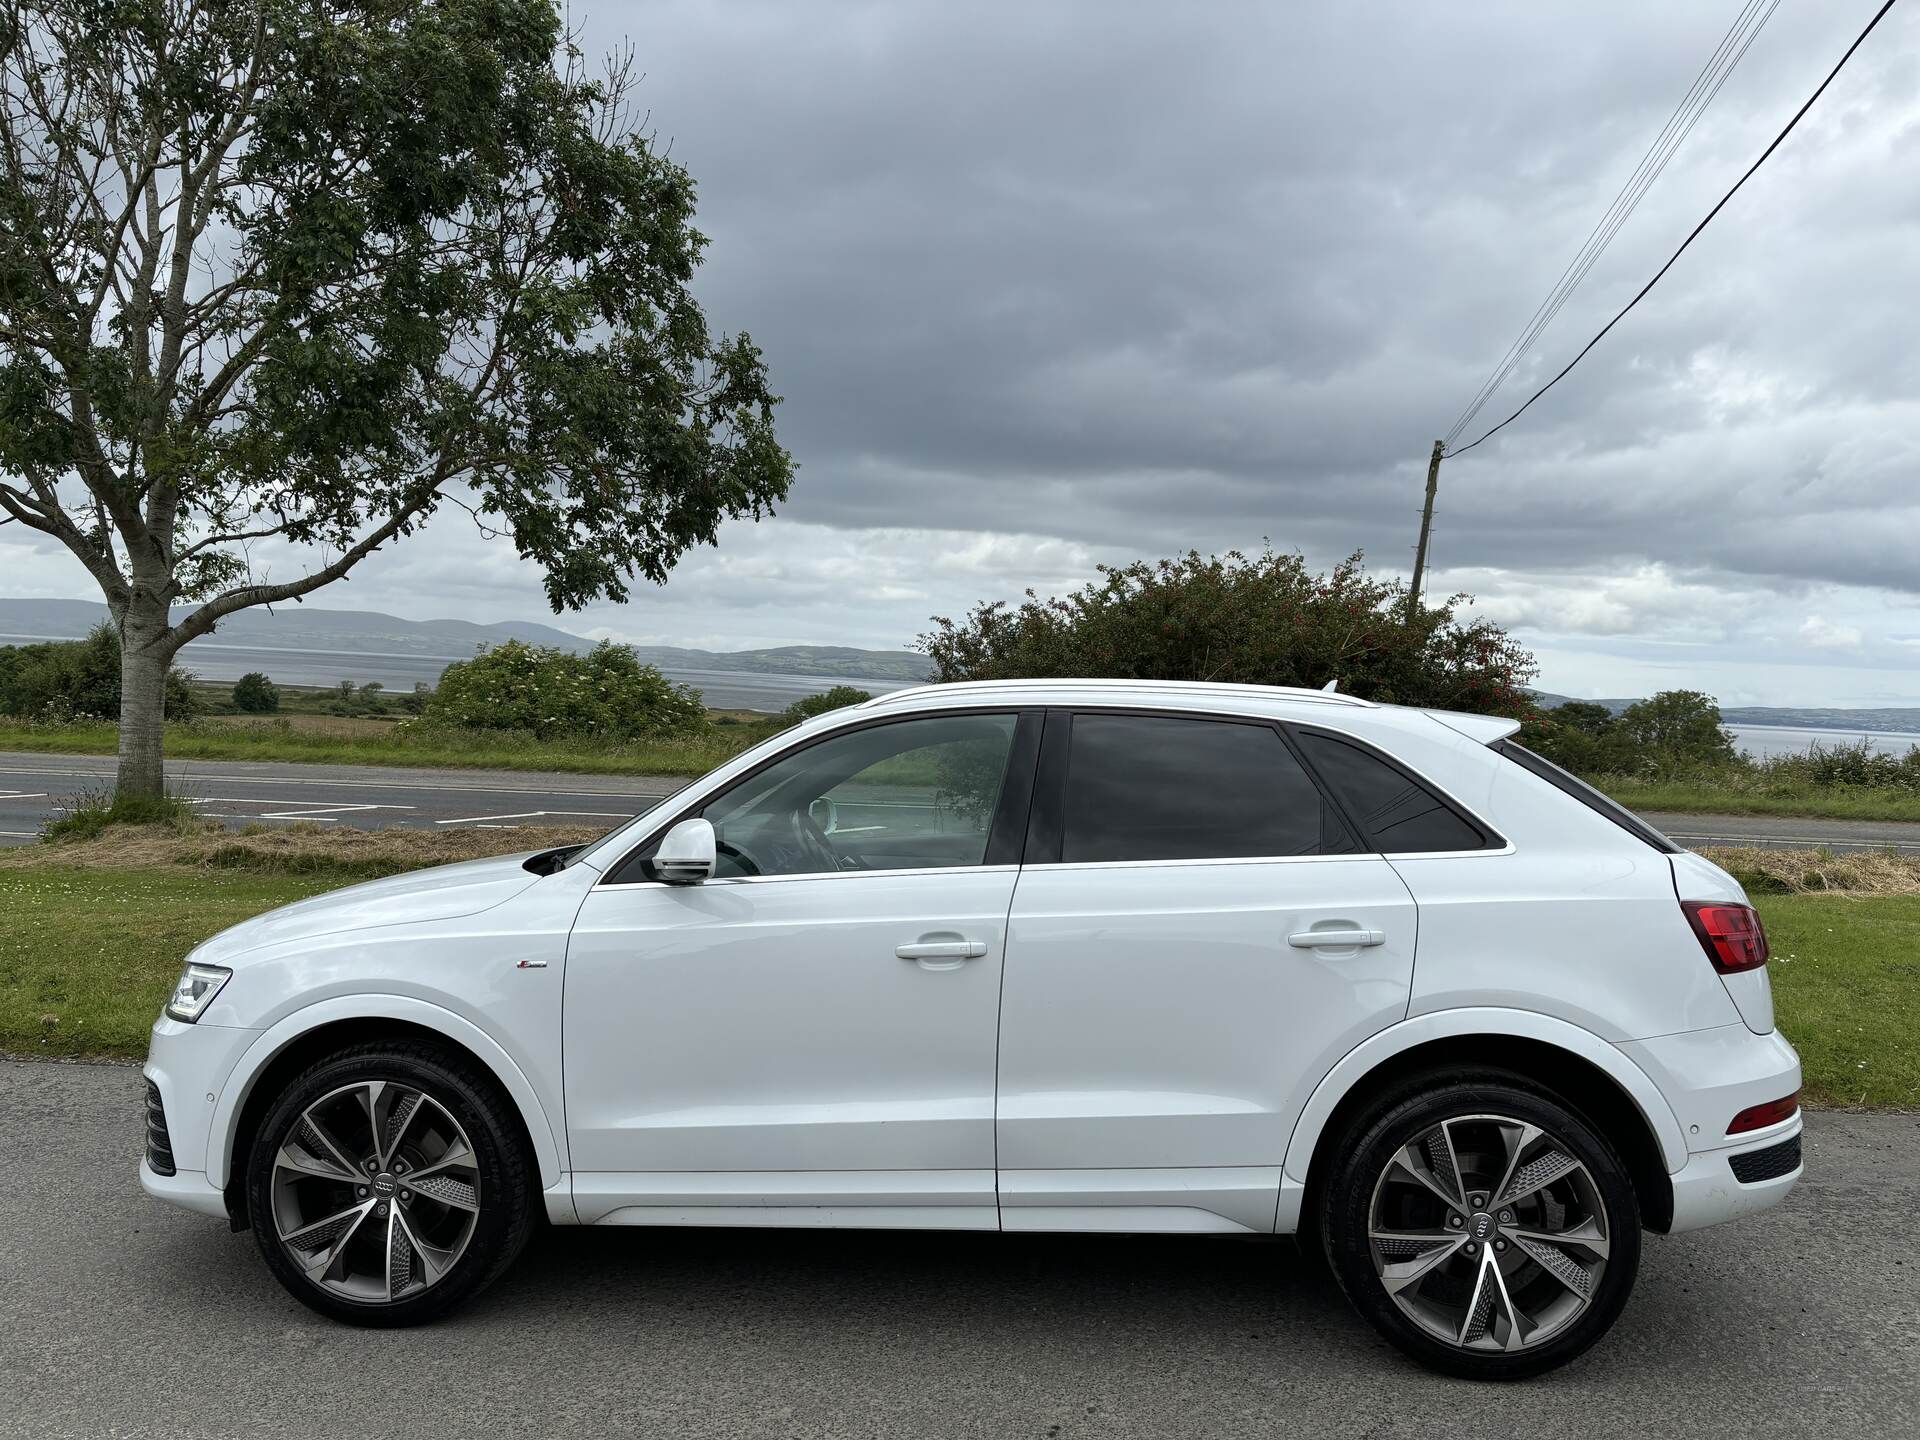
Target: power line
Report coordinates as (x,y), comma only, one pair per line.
(1879,15)
(1706,85)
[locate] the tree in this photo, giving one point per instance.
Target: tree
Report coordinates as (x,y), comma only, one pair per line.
(1264,621)
(314,272)
(1679,726)
(838,698)
(1579,736)
(255,694)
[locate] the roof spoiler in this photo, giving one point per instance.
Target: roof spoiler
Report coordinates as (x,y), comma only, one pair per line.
(1482,729)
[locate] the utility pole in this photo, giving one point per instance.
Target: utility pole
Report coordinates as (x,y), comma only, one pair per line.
(1426,528)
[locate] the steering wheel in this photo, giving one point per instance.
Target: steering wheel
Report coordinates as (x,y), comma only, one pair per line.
(739,857)
(819,850)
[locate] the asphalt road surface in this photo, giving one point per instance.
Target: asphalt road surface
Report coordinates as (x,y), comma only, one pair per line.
(1838,835)
(248,792)
(369,797)
(122,1316)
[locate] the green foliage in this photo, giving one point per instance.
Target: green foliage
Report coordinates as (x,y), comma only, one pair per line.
(547,693)
(1266,621)
(255,694)
(60,680)
(838,698)
(1669,733)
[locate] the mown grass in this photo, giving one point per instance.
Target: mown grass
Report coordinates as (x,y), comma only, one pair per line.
(87,956)
(1732,795)
(90,947)
(314,741)
(1846,984)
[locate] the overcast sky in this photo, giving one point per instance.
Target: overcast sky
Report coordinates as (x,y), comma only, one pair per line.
(1046,285)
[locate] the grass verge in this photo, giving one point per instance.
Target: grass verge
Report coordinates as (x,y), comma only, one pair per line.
(96,930)
(324,743)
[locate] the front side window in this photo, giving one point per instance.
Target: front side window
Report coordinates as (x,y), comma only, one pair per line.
(1151,787)
(915,794)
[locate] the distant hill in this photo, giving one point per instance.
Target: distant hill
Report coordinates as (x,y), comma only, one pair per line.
(368,632)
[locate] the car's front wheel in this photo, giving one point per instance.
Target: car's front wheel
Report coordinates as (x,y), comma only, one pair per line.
(388,1184)
(1482,1226)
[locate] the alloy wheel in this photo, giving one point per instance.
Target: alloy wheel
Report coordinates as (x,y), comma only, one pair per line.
(376,1192)
(1488,1233)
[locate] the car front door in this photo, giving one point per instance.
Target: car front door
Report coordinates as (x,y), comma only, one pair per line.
(810,1035)
(1196,935)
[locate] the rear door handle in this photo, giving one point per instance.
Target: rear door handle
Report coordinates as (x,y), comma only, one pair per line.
(954,949)
(1342,937)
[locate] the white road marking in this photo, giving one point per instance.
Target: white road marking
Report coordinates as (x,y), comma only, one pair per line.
(536,814)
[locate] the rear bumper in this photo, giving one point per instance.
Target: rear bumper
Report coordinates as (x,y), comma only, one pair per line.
(1707,1190)
(1709,1076)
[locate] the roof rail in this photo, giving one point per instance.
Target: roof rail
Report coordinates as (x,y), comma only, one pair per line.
(1145,687)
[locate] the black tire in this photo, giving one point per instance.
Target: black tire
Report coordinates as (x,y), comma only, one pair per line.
(1403,1116)
(501,1169)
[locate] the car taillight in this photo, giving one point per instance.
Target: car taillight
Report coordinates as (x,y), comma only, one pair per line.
(1758,1117)
(1730,934)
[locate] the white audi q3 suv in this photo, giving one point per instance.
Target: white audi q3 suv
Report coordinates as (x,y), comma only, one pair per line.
(1067,956)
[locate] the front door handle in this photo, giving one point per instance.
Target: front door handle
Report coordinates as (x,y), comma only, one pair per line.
(1341,937)
(944,948)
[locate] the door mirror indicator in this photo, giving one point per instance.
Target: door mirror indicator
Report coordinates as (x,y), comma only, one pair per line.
(686,855)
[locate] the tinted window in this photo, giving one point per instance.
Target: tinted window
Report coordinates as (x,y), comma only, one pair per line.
(1398,813)
(1149,787)
(918,794)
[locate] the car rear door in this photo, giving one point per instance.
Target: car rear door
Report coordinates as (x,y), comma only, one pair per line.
(1197,934)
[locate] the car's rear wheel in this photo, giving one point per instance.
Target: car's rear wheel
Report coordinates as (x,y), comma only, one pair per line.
(1482,1226)
(388,1184)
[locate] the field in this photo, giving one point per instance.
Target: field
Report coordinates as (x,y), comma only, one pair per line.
(96,931)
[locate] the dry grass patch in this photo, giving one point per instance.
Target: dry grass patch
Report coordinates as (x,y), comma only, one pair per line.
(1815,872)
(289,850)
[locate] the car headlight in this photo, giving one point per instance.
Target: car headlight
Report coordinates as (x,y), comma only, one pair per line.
(195,989)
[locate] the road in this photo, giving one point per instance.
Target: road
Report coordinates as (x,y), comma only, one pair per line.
(121,1316)
(1839,835)
(247,792)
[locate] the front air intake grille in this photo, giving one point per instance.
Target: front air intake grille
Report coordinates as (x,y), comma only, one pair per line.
(1768,1164)
(159,1143)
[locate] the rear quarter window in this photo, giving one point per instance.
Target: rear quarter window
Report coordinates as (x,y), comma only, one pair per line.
(1398,813)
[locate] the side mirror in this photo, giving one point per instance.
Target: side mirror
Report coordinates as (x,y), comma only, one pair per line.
(824,813)
(686,855)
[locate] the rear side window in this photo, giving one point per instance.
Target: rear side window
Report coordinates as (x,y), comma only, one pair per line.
(1396,812)
(1151,787)
(1588,796)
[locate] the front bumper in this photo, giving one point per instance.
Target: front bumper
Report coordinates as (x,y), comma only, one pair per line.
(185,1187)
(189,1065)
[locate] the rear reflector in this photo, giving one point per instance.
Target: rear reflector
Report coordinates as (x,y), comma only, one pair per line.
(1758,1117)
(1730,934)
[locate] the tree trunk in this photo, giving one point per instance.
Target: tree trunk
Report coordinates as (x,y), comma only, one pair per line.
(143,691)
